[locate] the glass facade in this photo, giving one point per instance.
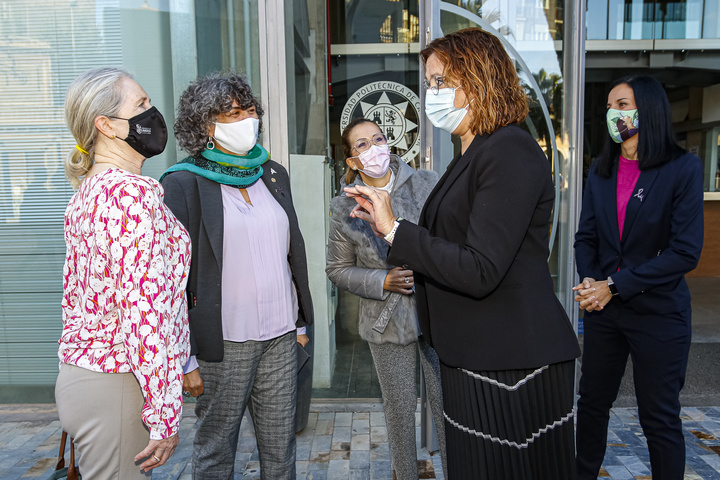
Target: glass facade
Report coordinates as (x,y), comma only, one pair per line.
(653,19)
(44,46)
(317,65)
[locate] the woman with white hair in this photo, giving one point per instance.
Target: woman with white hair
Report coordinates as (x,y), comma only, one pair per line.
(125,335)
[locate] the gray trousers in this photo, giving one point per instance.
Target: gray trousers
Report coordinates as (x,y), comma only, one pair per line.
(266,373)
(102,412)
(395,366)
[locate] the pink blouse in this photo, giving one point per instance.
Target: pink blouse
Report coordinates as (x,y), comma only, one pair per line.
(627,177)
(124,307)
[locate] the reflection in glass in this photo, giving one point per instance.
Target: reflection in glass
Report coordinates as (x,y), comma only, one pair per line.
(374,21)
(529,32)
(227,39)
(711,20)
(307,68)
(46,44)
(652,19)
(528,21)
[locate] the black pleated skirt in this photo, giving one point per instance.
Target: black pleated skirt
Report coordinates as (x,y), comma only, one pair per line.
(510,424)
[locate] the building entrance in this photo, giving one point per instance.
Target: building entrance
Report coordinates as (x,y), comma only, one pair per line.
(375,73)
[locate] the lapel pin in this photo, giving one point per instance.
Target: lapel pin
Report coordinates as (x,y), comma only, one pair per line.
(272,171)
(273,180)
(639,194)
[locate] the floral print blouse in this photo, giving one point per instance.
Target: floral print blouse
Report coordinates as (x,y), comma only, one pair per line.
(124,307)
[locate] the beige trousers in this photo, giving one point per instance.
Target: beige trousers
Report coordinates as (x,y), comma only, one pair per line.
(101,411)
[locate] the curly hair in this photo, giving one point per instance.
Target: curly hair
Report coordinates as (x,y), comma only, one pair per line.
(477,60)
(205,99)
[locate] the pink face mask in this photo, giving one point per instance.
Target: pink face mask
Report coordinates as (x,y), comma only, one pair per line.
(375,160)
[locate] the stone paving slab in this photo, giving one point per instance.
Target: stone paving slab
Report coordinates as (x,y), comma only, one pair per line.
(349,443)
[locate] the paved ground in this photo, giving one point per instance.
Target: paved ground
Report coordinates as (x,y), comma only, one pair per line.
(347,441)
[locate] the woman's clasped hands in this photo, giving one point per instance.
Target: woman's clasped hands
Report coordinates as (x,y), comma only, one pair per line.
(592,294)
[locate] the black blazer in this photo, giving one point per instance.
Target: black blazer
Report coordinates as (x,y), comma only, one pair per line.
(484,294)
(662,235)
(197,203)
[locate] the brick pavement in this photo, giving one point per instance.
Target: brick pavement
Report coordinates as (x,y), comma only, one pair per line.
(349,441)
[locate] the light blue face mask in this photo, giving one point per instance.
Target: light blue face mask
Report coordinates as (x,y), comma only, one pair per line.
(440,109)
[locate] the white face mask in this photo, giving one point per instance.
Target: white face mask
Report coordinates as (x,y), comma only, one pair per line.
(440,109)
(238,137)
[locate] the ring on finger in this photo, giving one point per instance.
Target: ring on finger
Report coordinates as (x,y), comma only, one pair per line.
(156,458)
(407,279)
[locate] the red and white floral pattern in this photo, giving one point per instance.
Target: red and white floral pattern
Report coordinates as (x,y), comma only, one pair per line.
(124,306)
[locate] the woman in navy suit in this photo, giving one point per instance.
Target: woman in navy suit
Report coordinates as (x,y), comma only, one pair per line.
(640,232)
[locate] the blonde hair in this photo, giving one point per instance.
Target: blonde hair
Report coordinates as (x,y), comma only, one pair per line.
(95,92)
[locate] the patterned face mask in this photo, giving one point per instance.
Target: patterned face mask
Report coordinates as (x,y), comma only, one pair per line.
(622,124)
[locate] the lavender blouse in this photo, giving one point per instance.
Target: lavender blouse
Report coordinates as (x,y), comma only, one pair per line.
(259,297)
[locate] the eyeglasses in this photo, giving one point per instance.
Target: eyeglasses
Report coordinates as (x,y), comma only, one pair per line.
(364,144)
(439,82)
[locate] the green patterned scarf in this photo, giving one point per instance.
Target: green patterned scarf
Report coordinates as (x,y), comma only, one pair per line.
(238,171)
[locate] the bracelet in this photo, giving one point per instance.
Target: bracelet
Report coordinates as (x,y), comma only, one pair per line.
(391,236)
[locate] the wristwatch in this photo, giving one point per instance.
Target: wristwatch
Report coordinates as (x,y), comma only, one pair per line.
(391,236)
(612,287)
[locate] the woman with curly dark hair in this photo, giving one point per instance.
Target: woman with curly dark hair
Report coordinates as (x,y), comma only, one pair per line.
(248,288)
(478,253)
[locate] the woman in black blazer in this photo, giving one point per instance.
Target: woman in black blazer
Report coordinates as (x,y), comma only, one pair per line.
(640,232)
(485,297)
(248,287)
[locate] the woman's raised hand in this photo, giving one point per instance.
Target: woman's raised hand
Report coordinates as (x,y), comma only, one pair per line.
(375,208)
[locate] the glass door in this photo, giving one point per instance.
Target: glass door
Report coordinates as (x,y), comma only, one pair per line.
(533,33)
(374,72)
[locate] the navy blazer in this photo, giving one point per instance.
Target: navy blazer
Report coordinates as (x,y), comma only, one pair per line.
(484,294)
(197,203)
(662,235)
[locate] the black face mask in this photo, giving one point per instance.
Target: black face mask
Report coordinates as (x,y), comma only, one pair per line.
(148,133)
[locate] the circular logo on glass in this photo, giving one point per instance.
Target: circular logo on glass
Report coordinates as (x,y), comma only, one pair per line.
(395,109)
